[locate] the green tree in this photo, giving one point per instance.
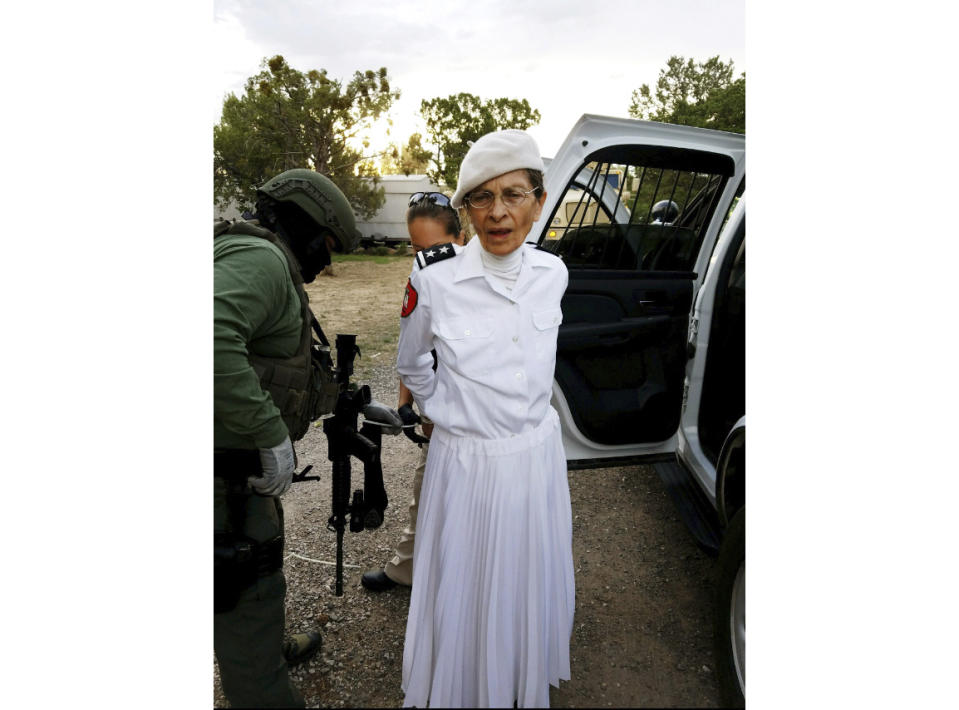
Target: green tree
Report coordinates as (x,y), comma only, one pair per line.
(286,119)
(454,120)
(691,94)
(411,159)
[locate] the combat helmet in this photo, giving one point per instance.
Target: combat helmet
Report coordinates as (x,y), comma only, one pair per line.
(323,201)
(665,212)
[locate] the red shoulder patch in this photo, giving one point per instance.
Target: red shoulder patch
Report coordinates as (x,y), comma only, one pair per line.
(409,300)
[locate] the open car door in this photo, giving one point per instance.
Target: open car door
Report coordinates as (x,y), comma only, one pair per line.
(633,208)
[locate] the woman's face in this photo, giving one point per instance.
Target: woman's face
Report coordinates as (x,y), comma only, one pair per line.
(501,229)
(426,232)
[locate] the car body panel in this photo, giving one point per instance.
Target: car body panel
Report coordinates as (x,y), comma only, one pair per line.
(689,449)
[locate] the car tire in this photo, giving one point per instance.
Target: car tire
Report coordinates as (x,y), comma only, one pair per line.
(730,613)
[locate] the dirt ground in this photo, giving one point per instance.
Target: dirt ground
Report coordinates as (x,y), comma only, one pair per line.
(643,625)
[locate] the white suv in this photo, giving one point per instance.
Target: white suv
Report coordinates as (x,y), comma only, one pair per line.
(651,353)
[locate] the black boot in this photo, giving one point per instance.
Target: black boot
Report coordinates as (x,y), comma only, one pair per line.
(301,647)
(376,580)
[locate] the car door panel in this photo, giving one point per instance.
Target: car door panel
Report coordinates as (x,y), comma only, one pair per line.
(621,332)
(634,268)
(620,354)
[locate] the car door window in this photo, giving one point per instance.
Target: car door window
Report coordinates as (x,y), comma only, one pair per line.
(637,208)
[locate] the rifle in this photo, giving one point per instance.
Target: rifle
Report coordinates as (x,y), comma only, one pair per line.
(345,440)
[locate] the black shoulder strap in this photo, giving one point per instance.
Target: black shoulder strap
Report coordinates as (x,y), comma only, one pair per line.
(434,254)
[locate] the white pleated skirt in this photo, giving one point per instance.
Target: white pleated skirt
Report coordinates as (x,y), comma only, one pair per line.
(491,611)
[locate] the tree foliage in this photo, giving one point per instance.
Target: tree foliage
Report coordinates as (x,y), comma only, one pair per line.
(286,119)
(691,94)
(410,159)
(454,120)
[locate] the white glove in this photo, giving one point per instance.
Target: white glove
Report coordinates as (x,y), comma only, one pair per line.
(278,464)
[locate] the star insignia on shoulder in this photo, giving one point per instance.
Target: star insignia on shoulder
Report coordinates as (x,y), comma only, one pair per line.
(438,252)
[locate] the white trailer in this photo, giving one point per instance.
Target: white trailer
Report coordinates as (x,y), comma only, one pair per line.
(388,226)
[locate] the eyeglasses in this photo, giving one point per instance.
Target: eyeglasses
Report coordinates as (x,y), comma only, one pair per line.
(436,197)
(512,197)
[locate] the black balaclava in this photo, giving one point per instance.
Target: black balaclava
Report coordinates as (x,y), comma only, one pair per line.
(305,238)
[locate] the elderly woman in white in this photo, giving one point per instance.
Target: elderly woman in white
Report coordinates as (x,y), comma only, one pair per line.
(492,609)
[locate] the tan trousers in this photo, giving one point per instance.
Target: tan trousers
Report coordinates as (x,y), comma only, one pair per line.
(400,568)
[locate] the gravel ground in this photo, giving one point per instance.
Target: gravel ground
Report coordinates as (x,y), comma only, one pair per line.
(642,629)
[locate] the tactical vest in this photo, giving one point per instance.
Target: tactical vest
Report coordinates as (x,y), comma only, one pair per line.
(303,387)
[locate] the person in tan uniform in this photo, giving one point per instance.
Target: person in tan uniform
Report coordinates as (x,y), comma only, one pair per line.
(431,222)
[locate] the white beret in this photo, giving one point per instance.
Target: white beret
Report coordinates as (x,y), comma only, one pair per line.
(493,155)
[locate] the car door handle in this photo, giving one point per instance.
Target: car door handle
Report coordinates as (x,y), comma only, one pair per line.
(654,307)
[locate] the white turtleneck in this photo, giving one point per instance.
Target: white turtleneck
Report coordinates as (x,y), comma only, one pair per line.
(503,268)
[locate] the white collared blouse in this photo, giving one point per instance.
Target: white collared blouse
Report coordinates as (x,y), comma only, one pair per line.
(496,348)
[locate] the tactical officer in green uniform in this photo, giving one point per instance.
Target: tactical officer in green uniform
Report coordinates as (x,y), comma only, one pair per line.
(268,383)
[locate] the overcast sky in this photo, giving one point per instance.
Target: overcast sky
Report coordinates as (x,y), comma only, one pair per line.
(565,57)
